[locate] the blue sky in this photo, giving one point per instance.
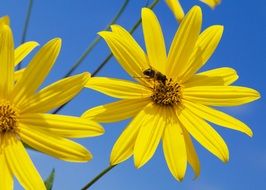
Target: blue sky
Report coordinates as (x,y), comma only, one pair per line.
(242,47)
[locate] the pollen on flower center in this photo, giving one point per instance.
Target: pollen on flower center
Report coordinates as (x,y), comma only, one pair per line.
(8,116)
(167,93)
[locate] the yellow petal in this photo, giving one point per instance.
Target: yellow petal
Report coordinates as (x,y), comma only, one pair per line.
(124,146)
(36,71)
(218,117)
(216,77)
(192,156)
(55,94)
(203,50)
(18,74)
(131,59)
(23,50)
(135,47)
(176,8)
(154,40)
(4,20)
(149,135)
(55,146)
(220,95)
(174,146)
(21,165)
(211,3)
(183,43)
(6,178)
(6,61)
(116,111)
(64,126)
(118,88)
(204,134)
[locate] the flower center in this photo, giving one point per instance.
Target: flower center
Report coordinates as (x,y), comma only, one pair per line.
(8,116)
(166,93)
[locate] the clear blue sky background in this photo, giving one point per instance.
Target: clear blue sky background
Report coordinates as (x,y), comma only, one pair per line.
(242,47)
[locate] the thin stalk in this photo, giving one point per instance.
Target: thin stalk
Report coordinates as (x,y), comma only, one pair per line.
(26,25)
(106,170)
(102,64)
(96,40)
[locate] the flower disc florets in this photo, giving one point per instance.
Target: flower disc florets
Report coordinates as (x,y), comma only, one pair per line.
(8,117)
(167,93)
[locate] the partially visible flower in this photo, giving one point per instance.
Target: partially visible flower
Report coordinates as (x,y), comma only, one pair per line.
(23,116)
(169,101)
(177,9)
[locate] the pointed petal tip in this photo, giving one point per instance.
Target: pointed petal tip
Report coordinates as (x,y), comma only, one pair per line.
(138,163)
(104,34)
(225,158)
(34,43)
(5,20)
(86,77)
(101,130)
(31,43)
(254,95)
(87,157)
(87,74)
(144,10)
(249,133)
(258,95)
(113,26)
(217,28)
(54,43)
(179,177)
(57,41)
(197,12)
(196,9)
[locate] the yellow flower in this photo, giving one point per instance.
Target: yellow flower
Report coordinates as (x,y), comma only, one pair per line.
(177,9)
(23,117)
(176,102)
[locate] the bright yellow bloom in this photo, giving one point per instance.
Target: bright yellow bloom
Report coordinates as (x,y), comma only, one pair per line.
(177,9)
(174,104)
(23,116)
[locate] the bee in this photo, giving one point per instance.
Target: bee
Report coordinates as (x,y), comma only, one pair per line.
(156,75)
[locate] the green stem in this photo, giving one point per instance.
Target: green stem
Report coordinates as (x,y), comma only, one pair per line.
(102,64)
(26,24)
(106,170)
(96,40)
